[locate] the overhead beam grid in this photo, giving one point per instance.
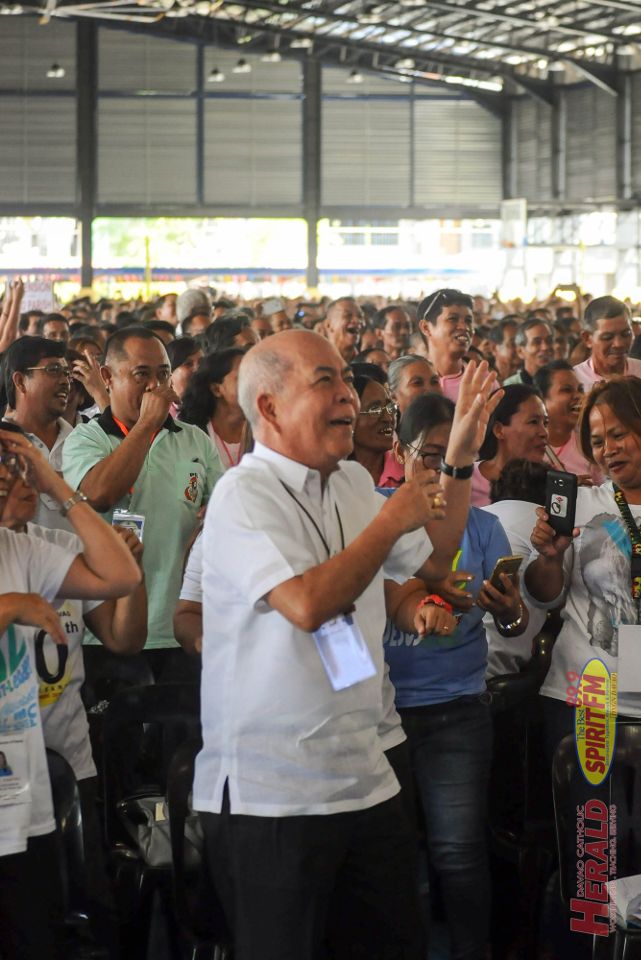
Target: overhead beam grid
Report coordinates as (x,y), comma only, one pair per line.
(485,47)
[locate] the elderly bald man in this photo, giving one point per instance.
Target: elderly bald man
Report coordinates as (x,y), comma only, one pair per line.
(302,815)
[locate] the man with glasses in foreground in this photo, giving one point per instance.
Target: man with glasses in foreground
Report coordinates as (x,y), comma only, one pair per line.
(136,458)
(446,321)
(37,381)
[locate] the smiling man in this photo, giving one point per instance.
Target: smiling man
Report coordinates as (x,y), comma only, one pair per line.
(446,320)
(296,546)
(608,334)
(37,380)
(343,326)
(135,457)
(534,345)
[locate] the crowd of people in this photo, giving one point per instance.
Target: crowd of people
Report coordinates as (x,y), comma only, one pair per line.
(300,506)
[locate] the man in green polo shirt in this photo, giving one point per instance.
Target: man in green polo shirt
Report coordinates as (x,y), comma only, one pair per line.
(135,457)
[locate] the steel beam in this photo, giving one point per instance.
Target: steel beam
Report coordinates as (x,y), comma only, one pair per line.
(86,140)
(312,143)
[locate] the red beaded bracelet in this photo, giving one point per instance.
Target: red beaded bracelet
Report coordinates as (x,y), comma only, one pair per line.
(437,601)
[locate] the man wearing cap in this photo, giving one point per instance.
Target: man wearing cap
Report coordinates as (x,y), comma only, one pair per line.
(136,458)
(446,319)
(304,826)
(274,311)
(193,312)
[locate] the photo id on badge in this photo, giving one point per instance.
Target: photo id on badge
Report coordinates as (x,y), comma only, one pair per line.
(14,772)
(629,660)
(130,521)
(343,652)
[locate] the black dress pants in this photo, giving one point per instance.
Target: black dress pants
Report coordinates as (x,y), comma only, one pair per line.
(314,887)
(31,902)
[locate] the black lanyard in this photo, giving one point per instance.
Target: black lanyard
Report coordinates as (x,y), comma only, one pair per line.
(313,522)
(635,542)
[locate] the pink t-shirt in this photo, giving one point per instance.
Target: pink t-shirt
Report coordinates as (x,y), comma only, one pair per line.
(451,386)
(393,472)
(480,493)
(588,377)
(573,460)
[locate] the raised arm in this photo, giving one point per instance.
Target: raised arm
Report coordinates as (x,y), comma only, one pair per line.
(30,610)
(10,315)
(329,589)
(112,478)
(105,568)
(477,399)
(545,578)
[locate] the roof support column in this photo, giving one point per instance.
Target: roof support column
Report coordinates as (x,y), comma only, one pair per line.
(624,137)
(86,140)
(312,104)
(509,150)
(559,145)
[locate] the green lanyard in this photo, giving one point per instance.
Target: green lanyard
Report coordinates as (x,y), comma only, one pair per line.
(635,542)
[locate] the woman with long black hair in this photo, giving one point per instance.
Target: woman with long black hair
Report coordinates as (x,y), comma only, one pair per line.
(211,403)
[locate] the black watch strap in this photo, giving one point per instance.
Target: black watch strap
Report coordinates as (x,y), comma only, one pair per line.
(459,473)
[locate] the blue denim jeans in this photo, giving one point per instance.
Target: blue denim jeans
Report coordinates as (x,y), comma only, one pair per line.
(451,748)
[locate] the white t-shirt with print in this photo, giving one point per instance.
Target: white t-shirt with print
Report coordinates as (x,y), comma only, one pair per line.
(509,654)
(598,596)
(27,565)
(61,672)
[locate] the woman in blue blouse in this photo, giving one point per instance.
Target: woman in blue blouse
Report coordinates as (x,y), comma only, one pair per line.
(441,696)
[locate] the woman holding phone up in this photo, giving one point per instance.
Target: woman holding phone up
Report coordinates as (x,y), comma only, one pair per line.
(592,572)
(440,692)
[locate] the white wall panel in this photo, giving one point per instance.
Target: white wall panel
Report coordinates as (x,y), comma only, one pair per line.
(591,144)
(28,49)
(37,149)
(533,137)
(253,151)
(133,62)
(457,153)
(146,151)
(365,152)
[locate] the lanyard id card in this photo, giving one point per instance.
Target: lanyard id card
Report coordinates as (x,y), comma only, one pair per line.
(131,521)
(343,652)
(14,771)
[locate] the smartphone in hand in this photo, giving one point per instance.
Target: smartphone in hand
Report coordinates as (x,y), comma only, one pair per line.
(560,501)
(507,565)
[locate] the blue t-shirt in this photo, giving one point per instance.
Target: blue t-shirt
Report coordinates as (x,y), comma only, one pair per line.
(443,668)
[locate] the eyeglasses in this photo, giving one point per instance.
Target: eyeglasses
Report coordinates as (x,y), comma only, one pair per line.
(56,370)
(430,458)
(379,409)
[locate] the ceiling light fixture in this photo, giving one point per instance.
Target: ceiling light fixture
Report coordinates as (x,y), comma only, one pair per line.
(355,76)
(405,63)
(216,76)
(242,67)
(55,72)
(302,43)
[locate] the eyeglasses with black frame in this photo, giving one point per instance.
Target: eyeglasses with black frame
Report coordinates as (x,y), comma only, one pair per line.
(431,459)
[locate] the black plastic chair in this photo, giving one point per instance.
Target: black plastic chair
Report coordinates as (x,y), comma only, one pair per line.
(142,727)
(623,789)
(106,673)
(521,840)
(198,910)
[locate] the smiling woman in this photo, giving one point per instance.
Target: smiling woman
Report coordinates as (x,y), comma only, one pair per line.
(374,430)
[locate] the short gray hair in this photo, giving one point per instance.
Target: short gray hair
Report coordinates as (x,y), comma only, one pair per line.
(261,371)
(397,366)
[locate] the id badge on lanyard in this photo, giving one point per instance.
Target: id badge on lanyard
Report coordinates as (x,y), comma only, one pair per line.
(14,770)
(343,652)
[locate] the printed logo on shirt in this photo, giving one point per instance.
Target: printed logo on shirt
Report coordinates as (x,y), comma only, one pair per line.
(52,659)
(191,490)
(18,701)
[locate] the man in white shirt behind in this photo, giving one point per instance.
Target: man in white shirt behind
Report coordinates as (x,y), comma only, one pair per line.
(303,823)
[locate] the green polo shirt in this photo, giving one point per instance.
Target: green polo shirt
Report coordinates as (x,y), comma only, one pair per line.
(177,478)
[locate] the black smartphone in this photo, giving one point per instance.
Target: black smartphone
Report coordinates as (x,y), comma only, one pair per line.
(560,501)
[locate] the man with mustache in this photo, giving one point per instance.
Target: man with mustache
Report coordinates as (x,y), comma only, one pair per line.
(534,342)
(37,380)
